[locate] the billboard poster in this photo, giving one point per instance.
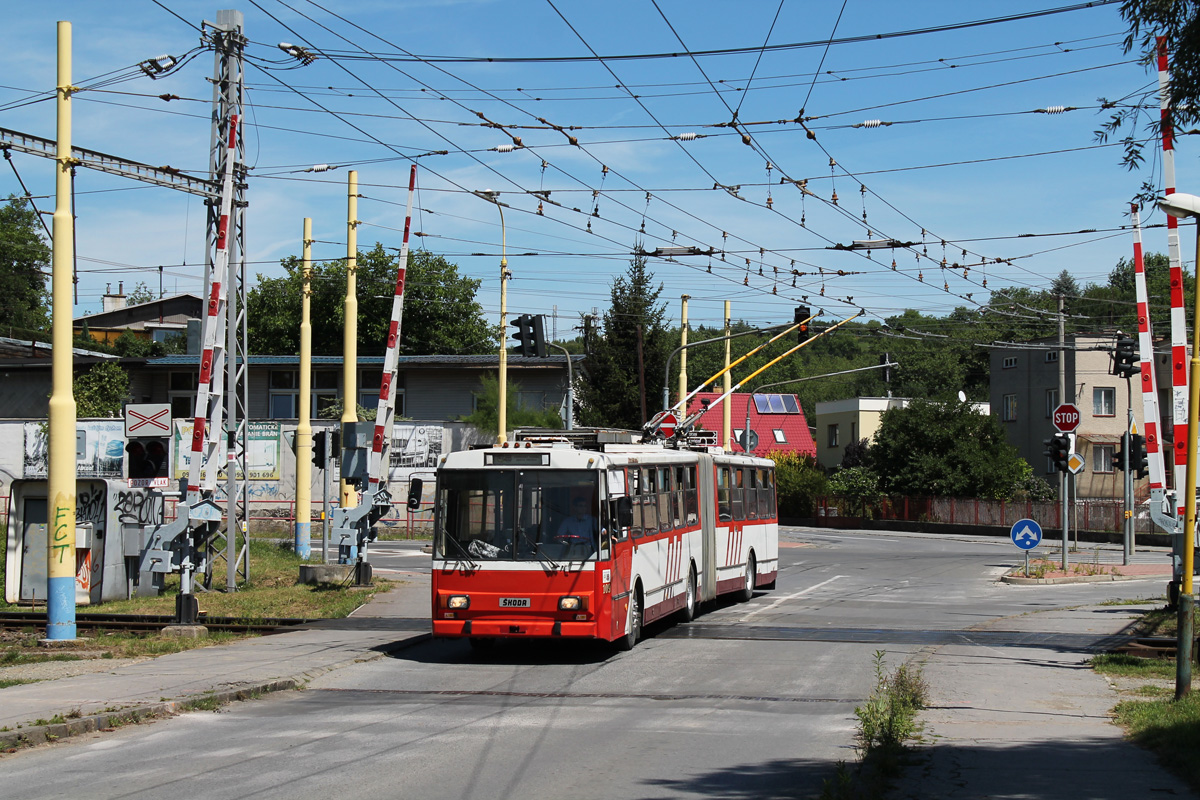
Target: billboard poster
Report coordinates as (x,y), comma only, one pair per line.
(102,454)
(262,449)
(414,447)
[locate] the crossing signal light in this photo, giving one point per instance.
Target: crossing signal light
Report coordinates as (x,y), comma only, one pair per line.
(1137,456)
(1125,359)
(803,314)
(318,449)
(1058,448)
(1118,459)
(530,335)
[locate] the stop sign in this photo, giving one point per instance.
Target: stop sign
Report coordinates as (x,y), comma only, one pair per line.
(1066,417)
(666,425)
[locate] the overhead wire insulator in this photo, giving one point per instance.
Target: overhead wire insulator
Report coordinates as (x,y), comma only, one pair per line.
(770,202)
(686,137)
(871,123)
(320,168)
(1054,110)
(505,148)
(540,211)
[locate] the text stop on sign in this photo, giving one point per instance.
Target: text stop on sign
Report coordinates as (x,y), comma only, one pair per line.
(1066,417)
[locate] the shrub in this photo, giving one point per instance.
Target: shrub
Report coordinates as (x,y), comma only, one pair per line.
(799,482)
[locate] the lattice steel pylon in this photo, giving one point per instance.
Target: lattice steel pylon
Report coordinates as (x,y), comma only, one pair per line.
(225,252)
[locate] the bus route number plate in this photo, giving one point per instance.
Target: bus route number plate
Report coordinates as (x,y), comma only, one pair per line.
(514,602)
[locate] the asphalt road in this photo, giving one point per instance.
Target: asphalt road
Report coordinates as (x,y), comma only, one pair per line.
(753,700)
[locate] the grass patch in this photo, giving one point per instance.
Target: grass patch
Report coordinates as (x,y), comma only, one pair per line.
(273,591)
(6,682)
(1127,666)
(1170,728)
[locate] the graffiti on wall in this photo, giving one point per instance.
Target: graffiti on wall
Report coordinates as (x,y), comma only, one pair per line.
(89,506)
(103,452)
(139,506)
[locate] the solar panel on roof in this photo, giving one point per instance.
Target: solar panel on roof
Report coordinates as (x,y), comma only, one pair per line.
(777,406)
(789,402)
(762,403)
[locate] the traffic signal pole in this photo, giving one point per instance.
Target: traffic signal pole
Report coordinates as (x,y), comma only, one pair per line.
(303,533)
(1062,398)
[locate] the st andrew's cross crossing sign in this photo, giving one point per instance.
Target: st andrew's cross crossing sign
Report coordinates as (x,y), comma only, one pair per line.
(1066,417)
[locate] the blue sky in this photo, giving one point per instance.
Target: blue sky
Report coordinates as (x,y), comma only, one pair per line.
(965,98)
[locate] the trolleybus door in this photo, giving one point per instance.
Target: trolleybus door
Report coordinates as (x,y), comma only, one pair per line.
(618,510)
(708,530)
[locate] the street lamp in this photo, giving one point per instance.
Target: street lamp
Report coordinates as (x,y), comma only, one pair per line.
(1182,205)
(502,401)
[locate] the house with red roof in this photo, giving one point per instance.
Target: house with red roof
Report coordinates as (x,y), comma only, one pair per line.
(778,420)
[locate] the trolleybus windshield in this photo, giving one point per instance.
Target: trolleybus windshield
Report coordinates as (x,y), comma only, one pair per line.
(517,515)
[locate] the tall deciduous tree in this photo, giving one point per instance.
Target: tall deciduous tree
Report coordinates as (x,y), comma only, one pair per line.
(628,354)
(101,390)
(441,314)
(24,266)
(946,449)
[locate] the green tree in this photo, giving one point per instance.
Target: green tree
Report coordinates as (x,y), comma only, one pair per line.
(628,354)
(441,314)
(858,485)
(100,391)
(24,267)
(140,294)
(946,449)
(1178,21)
(486,416)
(799,481)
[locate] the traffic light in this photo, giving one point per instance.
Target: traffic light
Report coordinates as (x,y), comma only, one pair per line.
(1058,448)
(803,313)
(539,336)
(524,334)
(1138,464)
(530,335)
(147,462)
(1118,459)
(318,448)
(1125,359)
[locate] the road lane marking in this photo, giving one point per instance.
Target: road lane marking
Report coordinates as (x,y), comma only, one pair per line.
(792,596)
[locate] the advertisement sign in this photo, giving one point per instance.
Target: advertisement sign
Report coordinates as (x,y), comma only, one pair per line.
(262,450)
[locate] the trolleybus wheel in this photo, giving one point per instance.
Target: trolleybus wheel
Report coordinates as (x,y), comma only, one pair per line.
(748,590)
(633,625)
(689,603)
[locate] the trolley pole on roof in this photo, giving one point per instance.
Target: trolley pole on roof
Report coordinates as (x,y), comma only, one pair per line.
(60,549)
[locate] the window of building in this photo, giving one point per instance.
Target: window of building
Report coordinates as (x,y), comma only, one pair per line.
(284,395)
(1104,401)
(368,387)
(531,401)
(1010,362)
(1009,408)
(779,437)
(181,394)
(1051,402)
(1102,457)
(1051,356)
(833,435)
(325,391)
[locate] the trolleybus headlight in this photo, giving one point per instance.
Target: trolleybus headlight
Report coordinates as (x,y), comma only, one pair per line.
(458,601)
(571,603)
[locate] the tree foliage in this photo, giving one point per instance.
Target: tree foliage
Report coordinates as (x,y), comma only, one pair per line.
(140,293)
(799,481)
(634,323)
(441,314)
(24,267)
(486,416)
(100,390)
(944,448)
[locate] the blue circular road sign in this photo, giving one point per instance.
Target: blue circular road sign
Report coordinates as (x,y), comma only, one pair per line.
(1026,534)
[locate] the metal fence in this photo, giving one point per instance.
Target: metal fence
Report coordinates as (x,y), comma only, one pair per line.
(1091,514)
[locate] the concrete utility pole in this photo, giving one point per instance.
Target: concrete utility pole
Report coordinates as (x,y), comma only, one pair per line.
(502,383)
(304,426)
(1062,398)
(683,335)
(349,497)
(60,597)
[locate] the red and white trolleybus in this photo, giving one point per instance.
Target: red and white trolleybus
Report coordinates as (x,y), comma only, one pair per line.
(587,534)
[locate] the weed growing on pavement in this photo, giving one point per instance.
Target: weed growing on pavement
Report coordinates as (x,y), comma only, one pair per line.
(208,702)
(886,722)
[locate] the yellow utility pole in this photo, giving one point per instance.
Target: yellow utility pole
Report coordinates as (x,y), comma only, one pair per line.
(502,400)
(683,325)
(304,426)
(726,409)
(60,550)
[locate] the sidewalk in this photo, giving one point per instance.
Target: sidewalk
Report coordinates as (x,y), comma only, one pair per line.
(392,621)
(1030,721)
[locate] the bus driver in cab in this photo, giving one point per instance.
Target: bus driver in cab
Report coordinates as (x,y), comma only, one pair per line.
(580,527)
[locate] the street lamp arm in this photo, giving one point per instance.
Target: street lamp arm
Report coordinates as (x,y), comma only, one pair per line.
(825,375)
(677,350)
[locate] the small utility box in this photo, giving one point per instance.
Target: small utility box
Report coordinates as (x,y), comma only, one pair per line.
(105,511)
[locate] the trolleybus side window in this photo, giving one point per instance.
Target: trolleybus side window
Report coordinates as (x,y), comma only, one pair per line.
(724,494)
(649,491)
(751,492)
(737,492)
(680,489)
(665,515)
(766,494)
(691,502)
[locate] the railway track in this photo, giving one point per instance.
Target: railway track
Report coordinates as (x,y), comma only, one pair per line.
(19,620)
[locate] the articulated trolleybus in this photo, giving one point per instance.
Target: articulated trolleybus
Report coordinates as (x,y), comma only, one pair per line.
(589,535)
